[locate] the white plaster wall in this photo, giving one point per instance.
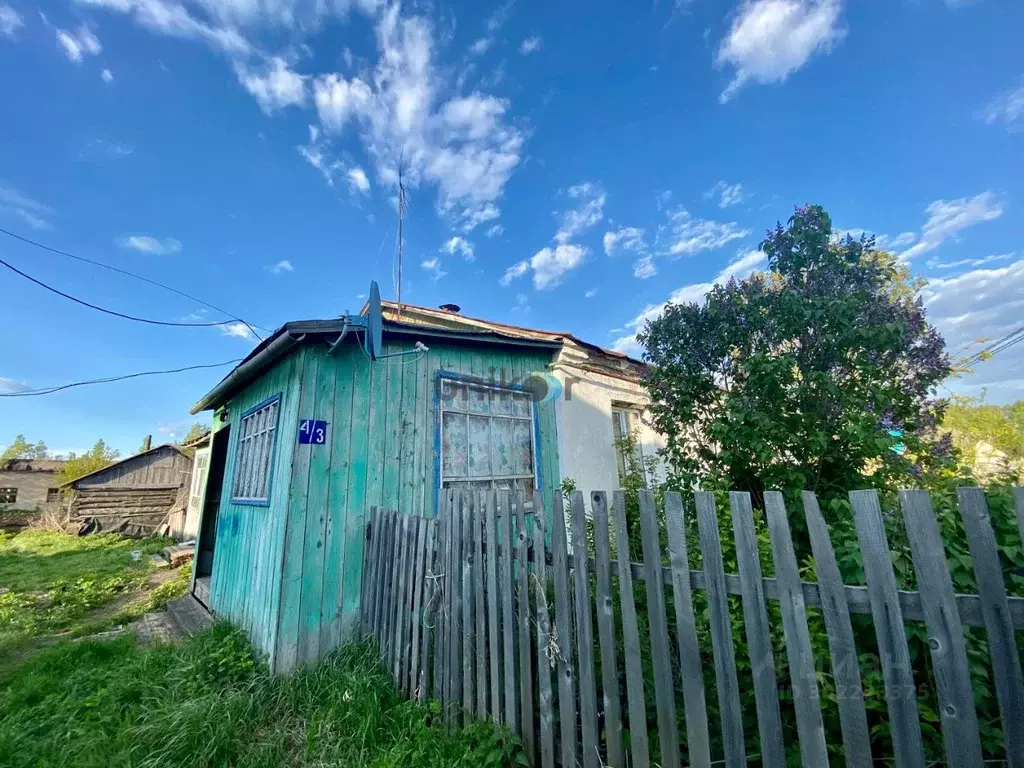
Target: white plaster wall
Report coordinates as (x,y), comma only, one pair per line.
(586,440)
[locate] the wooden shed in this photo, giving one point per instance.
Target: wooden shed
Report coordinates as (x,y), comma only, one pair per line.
(138,496)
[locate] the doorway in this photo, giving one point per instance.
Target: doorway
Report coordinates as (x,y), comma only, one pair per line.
(207,544)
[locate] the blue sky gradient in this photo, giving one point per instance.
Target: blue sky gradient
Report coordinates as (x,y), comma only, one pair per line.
(570,166)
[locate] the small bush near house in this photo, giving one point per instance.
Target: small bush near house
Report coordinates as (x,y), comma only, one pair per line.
(210,702)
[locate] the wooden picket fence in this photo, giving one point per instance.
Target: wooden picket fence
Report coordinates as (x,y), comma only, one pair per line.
(460,607)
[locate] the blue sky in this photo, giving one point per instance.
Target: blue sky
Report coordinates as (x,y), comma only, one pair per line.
(570,166)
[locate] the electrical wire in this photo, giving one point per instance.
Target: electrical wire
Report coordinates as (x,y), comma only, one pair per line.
(109,379)
(1007,341)
(125,272)
(105,311)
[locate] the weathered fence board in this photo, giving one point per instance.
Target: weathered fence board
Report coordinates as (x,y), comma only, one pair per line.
(636,708)
(525,666)
(606,631)
(584,636)
(853,721)
(900,691)
(945,632)
(806,700)
(668,737)
(544,698)
(1006,667)
(459,607)
(726,681)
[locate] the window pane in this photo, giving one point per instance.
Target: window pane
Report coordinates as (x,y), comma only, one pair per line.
(501,402)
(501,447)
(453,395)
(454,445)
(478,399)
(523,460)
(479,446)
(520,404)
(525,486)
(480,485)
(504,485)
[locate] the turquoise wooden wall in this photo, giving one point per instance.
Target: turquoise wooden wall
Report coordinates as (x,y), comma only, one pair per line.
(380,451)
(245,585)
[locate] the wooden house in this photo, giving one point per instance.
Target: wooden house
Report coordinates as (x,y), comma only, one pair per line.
(141,495)
(28,484)
(319,423)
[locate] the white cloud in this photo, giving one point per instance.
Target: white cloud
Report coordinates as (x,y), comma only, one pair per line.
(588,212)
(495,231)
(981,304)
(107,76)
(993,259)
(530,45)
(481,46)
(624,239)
(317,154)
(338,100)
(522,304)
(550,265)
(740,267)
(644,268)
(474,217)
(590,294)
(357,180)
(10,21)
(728,194)
(514,272)
(236,330)
(80,44)
(771,39)
(275,86)
(1006,108)
(11,386)
(282,266)
(459,245)
(685,236)
(146,244)
(433,267)
(948,218)
(15,203)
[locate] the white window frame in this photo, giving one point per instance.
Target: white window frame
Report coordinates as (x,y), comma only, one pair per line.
(10,490)
(620,416)
(253,479)
(445,407)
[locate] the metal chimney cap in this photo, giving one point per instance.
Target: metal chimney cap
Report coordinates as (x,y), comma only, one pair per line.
(453,308)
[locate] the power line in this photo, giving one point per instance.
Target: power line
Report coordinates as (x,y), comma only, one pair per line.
(1007,341)
(125,272)
(110,311)
(109,379)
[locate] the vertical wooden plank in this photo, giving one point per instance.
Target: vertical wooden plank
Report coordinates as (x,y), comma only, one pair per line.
(416,620)
(664,694)
(494,632)
(507,621)
(525,665)
(468,603)
(382,577)
(401,619)
(387,608)
(806,700)
(455,623)
(698,742)
(480,610)
(370,571)
(945,632)
(995,610)
(356,498)
(900,692)
(375,595)
(853,719)
(759,640)
(726,682)
(606,630)
(585,634)
(340,432)
(563,634)
(544,658)
(441,575)
(630,640)
(428,621)
(409,567)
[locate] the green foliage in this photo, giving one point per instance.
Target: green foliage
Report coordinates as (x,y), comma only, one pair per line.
(53,582)
(22,449)
(195,431)
(98,457)
(972,421)
(210,702)
(793,379)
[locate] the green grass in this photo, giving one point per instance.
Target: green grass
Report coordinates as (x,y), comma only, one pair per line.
(52,583)
(210,702)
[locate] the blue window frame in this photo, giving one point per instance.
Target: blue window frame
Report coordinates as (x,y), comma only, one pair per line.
(487,435)
(254,456)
